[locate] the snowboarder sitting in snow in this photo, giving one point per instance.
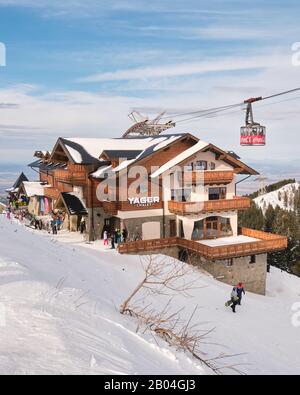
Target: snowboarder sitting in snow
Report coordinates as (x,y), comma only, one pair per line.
(234,299)
(240,291)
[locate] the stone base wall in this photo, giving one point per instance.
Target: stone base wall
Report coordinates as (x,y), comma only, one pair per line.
(253,275)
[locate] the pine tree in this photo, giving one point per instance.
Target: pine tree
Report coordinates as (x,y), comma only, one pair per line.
(252,218)
(270,216)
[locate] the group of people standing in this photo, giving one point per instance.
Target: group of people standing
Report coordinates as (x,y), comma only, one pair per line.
(117,236)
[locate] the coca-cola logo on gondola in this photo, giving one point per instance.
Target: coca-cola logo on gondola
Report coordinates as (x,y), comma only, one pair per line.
(253,135)
(253,140)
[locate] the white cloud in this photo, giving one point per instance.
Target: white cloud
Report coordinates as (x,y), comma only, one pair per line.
(184,69)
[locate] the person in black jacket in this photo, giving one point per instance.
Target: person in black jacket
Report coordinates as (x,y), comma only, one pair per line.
(124,235)
(113,238)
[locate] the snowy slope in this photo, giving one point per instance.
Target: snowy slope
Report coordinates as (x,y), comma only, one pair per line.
(61,301)
(273,197)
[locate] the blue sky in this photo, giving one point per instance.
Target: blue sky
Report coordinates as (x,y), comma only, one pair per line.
(78,67)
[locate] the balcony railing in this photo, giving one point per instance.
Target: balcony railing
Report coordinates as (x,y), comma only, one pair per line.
(184,208)
(70,177)
(210,177)
(266,243)
(218,177)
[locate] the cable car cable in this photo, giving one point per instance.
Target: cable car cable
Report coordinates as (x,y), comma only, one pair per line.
(209,111)
(280,94)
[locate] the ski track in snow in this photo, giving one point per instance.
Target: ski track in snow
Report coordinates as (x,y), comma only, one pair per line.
(60,299)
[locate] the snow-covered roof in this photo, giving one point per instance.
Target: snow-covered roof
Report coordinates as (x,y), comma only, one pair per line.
(12,190)
(33,188)
(100,173)
(180,158)
(89,150)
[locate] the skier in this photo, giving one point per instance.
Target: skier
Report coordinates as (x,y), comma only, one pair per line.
(113,236)
(119,236)
(240,291)
(105,238)
(116,236)
(54,226)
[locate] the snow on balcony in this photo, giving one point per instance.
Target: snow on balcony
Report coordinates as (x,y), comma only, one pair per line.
(228,241)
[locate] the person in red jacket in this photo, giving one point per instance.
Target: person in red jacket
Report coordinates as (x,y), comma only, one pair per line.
(240,291)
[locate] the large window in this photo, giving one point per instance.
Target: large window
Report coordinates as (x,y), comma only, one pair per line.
(212,228)
(217,193)
(225,227)
(198,232)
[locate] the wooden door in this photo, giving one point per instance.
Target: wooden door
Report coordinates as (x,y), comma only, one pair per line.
(211,229)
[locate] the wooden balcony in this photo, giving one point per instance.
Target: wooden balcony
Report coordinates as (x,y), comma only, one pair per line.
(210,177)
(266,243)
(185,208)
(71,177)
(218,177)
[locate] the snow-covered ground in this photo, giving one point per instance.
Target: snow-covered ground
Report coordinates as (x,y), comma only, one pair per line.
(59,300)
(276,198)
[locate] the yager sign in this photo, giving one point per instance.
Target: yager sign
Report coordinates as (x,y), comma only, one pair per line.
(144,201)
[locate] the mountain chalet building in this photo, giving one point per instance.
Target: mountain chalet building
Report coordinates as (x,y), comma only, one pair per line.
(198,227)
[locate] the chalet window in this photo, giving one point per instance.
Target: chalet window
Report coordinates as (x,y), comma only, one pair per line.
(198,232)
(253,259)
(201,165)
(181,195)
(217,193)
(212,166)
(189,167)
